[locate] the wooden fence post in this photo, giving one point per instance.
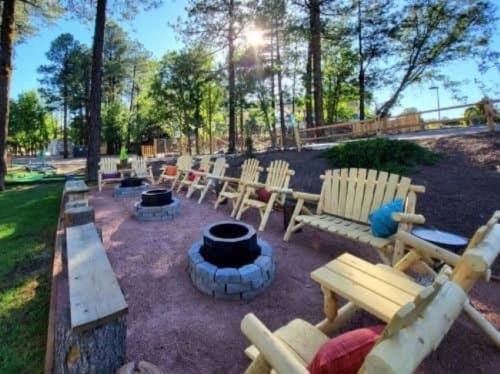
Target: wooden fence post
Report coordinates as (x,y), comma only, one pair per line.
(297,137)
(489,112)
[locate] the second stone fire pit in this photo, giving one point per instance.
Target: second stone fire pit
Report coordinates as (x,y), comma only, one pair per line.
(157,204)
(130,187)
(230,262)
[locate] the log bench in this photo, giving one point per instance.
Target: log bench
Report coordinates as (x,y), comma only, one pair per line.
(347,198)
(91,330)
(94,293)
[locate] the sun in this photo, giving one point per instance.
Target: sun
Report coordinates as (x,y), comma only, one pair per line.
(254,37)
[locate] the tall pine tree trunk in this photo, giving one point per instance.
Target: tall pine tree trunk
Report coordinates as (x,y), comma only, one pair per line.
(6,46)
(273,96)
(361,77)
(315,14)
(308,87)
(280,88)
(232,83)
(242,132)
(209,118)
(95,93)
(131,106)
(65,122)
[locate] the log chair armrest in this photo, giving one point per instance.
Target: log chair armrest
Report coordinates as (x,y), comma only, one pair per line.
(254,184)
(286,191)
(408,218)
(306,196)
(198,172)
(427,249)
(270,347)
(417,188)
(227,179)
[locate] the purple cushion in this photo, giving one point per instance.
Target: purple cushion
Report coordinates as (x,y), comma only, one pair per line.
(111,175)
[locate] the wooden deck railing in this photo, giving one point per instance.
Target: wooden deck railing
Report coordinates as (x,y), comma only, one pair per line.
(407,122)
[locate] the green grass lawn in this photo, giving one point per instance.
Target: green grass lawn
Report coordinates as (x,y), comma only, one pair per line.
(28,218)
(18,177)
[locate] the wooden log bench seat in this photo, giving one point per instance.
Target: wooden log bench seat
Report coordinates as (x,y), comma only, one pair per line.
(347,198)
(94,293)
(91,328)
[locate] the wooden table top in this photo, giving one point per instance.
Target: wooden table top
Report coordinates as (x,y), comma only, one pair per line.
(378,289)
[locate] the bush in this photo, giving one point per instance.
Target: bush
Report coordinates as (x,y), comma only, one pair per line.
(394,156)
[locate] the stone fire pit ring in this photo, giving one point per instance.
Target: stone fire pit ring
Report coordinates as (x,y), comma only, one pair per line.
(127,188)
(247,277)
(157,205)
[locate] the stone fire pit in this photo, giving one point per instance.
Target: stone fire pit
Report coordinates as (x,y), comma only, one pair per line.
(157,205)
(130,187)
(230,262)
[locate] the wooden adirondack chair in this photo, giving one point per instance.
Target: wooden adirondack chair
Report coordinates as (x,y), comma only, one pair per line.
(204,167)
(204,180)
(277,181)
(417,317)
(184,164)
(233,188)
(140,169)
(291,348)
(347,197)
(108,172)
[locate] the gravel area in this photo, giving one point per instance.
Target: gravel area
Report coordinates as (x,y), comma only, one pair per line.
(173,325)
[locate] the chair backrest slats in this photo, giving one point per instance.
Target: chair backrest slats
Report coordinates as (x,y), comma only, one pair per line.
(219,167)
(139,166)
(205,163)
(185,162)
(355,193)
(366,206)
(277,174)
(108,165)
(250,171)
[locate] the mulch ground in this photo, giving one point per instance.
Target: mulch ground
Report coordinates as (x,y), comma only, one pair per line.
(173,325)
(462,190)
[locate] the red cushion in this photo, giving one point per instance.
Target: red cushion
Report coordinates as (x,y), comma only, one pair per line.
(345,353)
(192,176)
(263,194)
(171,170)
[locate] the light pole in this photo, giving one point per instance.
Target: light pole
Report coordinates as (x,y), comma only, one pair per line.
(437,95)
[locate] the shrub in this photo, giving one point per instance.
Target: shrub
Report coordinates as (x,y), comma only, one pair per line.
(123,154)
(394,156)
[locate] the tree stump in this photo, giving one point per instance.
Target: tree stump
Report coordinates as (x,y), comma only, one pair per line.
(99,350)
(78,216)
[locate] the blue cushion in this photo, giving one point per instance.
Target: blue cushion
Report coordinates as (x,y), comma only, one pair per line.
(381,219)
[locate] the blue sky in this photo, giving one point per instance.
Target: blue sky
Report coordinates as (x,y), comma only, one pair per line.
(151,29)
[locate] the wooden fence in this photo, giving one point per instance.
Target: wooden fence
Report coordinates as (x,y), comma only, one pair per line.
(408,122)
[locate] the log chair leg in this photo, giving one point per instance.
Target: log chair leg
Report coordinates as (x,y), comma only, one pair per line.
(242,205)
(204,191)
(330,307)
(291,225)
(482,323)
(258,366)
(220,198)
(236,204)
(267,212)
(344,315)
(181,183)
